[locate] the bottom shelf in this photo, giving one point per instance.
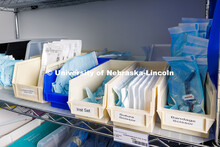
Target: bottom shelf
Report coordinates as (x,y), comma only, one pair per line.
(163,137)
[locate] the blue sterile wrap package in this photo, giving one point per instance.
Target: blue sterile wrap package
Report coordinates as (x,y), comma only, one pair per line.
(200,54)
(199,20)
(202,28)
(179,37)
(97,97)
(185,86)
(72,68)
(197,41)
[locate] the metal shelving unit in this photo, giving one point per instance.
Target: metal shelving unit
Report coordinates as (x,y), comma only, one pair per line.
(158,137)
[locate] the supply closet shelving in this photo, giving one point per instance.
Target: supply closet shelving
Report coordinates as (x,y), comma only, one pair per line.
(7,99)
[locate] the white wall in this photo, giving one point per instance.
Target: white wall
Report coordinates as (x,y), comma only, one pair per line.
(115,24)
(7,29)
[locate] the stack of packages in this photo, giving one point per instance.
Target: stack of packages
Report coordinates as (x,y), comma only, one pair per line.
(6,70)
(189,43)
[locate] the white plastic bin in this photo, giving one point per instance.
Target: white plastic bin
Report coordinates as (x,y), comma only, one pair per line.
(77,92)
(141,120)
(188,122)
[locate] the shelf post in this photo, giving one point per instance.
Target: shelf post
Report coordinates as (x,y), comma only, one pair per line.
(17,35)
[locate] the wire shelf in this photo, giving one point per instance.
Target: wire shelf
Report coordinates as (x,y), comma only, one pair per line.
(28,108)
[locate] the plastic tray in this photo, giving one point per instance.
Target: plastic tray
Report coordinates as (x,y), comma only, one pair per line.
(58,100)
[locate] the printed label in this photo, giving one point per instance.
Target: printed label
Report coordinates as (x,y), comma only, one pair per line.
(27,91)
(84,110)
(130,137)
(188,97)
(187,122)
(128,118)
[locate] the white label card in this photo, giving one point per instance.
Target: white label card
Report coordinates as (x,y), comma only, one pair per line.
(126,117)
(130,137)
(184,121)
(84,110)
(27,91)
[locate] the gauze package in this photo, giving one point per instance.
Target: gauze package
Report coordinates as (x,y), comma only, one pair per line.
(57,51)
(97,97)
(198,52)
(202,28)
(179,37)
(185,86)
(74,66)
(197,41)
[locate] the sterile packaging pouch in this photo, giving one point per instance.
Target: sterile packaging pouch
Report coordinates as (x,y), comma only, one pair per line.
(179,37)
(197,41)
(202,28)
(56,51)
(121,89)
(76,65)
(199,20)
(203,67)
(198,52)
(201,59)
(185,86)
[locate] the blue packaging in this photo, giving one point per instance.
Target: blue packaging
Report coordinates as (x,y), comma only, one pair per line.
(197,41)
(179,37)
(59,100)
(185,86)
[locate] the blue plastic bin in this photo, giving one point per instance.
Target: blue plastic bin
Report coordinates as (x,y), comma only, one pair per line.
(59,100)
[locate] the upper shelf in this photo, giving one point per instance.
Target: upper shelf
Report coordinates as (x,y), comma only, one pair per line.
(21,5)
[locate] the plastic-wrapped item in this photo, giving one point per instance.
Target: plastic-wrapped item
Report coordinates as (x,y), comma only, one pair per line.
(97,97)
(201,59)
(7,71)
(202,28)
(179,37)
(197,41)
(71,69)
(203,67)
(79,137)
(32,138)
(56,138)
(185,86)
(116,55)
(198,52)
